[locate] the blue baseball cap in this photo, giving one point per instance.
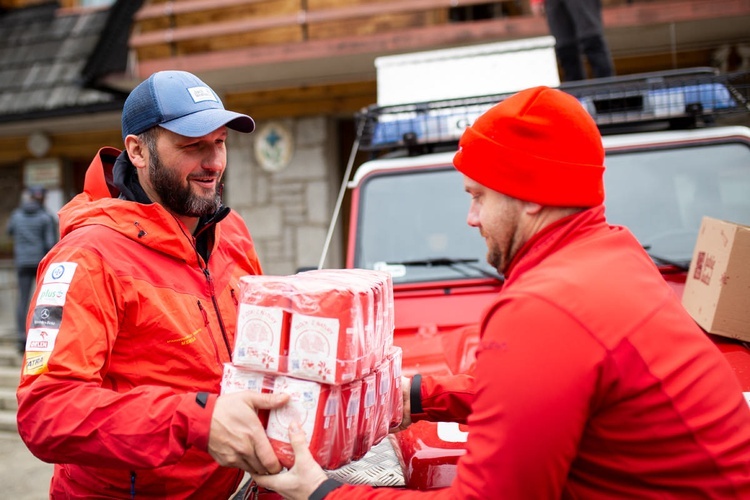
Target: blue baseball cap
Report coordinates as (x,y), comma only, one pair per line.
(181,103)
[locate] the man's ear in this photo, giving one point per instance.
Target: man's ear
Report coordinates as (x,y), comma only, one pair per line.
(137,151)
(532,208)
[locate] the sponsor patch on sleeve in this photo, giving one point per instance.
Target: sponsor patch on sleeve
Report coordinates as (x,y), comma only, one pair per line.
(41,339)
(47,316)
(60,272)
(36,363)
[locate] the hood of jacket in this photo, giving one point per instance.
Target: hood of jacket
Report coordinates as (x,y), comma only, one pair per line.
(31,207)
(101,204)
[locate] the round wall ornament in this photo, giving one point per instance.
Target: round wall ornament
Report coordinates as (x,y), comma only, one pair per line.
(274,146)
(38,144)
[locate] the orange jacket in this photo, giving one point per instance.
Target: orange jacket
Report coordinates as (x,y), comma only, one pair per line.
(127,325)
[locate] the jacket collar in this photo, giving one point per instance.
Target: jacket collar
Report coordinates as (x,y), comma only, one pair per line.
(551,237)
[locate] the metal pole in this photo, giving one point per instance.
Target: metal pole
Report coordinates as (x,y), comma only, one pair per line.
(342,192)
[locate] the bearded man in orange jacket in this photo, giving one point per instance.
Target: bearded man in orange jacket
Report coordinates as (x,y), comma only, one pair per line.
(591,380)
(135,312)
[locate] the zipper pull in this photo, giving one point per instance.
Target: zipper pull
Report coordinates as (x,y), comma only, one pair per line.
(252,491)
(141,231)
(203,313)
(210,281)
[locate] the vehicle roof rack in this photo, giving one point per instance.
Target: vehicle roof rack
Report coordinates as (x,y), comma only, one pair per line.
(647,101)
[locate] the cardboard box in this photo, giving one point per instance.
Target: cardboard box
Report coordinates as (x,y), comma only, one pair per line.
(717,290)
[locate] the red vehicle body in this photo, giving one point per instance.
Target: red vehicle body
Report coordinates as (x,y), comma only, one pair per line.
(408,217)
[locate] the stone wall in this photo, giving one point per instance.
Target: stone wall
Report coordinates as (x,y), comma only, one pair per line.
(288,212)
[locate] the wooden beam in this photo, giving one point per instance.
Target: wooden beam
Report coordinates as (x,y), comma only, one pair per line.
(623,16)
(170,8)
(298,94)
(344,106)
(302,17)
(335,99)
(79,145)
(380,43)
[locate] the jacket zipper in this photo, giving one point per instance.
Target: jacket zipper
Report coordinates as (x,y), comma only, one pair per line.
(207,324)
(218,311)
(203,264)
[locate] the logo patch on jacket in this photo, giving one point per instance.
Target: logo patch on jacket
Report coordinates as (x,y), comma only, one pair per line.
(47,315)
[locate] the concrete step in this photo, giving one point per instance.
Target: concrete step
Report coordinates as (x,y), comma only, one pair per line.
(7,338)
(8,421)
(9,376)
(9,356)
(8,399)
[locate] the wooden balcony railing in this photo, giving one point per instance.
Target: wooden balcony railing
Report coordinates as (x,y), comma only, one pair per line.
(174,28)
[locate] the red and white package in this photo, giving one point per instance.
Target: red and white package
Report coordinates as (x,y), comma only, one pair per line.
(324,340)
(318,350)
(381,284)
(262,338)
(312,405)
(237,378)
(347,421)
(328,326)
(395,356)
(363,287)
(382,419)
(365,426)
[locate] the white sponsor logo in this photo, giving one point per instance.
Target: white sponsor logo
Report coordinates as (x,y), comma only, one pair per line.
(60,272)
(52,294)
(41,339)
(200,94)
(450,432)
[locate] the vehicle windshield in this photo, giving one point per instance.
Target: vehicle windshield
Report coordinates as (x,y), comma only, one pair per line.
(662,195)
(413,224)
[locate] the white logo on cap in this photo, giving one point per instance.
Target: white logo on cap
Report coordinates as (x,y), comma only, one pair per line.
(200,94)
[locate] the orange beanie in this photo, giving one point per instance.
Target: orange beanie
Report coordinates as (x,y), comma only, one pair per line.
(538,145)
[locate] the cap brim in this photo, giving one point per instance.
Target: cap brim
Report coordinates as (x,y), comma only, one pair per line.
(204,122)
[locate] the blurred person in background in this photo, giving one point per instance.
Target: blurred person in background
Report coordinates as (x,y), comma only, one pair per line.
(578,31)
(34,233)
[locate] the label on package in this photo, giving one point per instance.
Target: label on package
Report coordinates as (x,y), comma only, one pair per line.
(313,347)
(259,337)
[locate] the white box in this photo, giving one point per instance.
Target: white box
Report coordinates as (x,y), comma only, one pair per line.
(476,70)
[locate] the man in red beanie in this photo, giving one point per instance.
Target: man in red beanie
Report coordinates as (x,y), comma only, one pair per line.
(591,381)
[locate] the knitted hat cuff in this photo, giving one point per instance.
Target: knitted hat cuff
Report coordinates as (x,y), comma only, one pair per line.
(538,145)
(524,176)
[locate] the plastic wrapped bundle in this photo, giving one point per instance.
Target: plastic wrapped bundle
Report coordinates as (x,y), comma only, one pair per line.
(314,406)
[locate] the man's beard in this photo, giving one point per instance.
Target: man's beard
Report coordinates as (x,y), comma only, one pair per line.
(495,259)
(179,198)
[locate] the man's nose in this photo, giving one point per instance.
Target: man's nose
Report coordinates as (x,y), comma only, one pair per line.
(472,219)
(215,158)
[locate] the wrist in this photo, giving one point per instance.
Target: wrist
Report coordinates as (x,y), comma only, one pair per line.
(323,487)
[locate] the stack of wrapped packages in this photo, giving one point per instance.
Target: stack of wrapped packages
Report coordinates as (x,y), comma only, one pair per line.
(325,338)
